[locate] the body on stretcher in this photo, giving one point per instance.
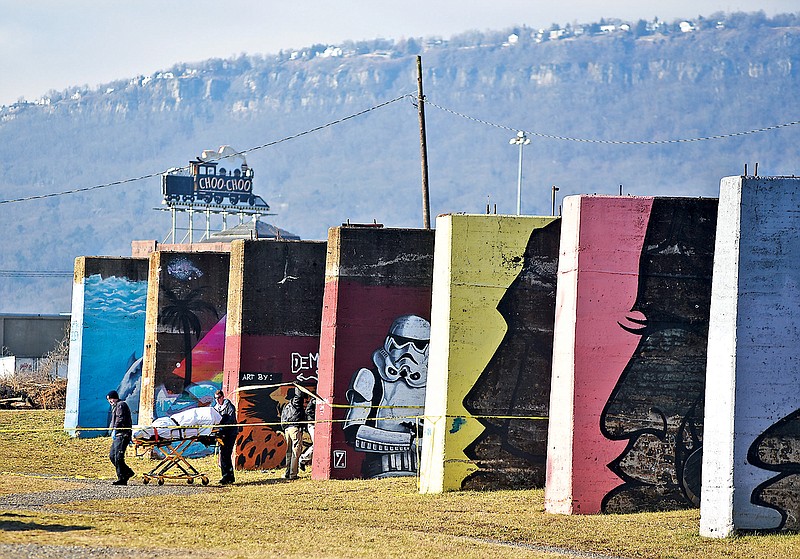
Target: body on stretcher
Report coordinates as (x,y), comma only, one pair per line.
(173,435)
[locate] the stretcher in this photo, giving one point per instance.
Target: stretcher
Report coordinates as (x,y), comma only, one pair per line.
(172,436)
(174,465)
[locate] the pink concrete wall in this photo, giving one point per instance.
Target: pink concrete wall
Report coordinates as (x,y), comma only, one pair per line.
(634,291)
(607,234)
(612,233)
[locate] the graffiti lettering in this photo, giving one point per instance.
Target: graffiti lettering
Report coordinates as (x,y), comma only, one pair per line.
(304,362)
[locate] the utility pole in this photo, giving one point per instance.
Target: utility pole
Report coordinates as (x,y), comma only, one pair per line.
(423,148)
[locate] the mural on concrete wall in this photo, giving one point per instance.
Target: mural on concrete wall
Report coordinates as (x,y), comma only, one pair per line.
(288,359)
(364,341)
(657,402)
(261,447)
(386,399)
(272,339)
(375,328)
(510,452)
(778,450)
(489,383)
(107,340)
(191,332)
(116,324)
(752,421)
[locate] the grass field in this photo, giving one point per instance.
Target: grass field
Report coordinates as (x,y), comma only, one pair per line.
(265,516)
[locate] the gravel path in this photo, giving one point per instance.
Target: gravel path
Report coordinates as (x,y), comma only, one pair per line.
(12,505)
(93,490)
(39,551)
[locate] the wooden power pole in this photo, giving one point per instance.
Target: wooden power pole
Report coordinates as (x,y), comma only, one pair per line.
(423,148)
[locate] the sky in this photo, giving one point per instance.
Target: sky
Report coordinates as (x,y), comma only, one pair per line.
(54,44)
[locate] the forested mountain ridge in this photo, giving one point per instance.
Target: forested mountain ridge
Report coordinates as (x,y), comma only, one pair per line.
(612,89)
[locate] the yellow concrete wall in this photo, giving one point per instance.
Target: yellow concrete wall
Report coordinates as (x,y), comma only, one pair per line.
(477,257)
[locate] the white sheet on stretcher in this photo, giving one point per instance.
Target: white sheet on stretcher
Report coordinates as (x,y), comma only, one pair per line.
(182,425)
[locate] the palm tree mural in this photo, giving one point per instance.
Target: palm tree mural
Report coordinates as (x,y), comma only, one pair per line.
(181,313)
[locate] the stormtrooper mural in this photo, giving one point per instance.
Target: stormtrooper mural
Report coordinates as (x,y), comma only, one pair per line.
(383,420)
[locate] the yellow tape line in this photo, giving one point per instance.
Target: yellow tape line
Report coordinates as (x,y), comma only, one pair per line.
(431,418)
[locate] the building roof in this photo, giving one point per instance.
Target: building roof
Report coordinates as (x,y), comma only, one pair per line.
(254,229)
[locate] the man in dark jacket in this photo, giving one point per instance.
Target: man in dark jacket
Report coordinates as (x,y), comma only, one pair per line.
(293,418)
(227,435)
(121,437)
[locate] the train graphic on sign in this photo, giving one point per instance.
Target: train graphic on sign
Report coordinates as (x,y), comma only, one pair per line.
(207,182)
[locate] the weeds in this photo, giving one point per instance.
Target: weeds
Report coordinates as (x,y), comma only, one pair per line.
(40,388)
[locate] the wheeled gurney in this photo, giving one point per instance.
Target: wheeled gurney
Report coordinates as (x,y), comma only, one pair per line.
(173,436)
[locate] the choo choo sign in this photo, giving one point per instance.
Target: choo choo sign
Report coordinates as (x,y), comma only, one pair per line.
(225,184)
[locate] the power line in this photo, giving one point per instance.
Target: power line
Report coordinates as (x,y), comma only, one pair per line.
(34,274)
(414,98)
(617,142)
(262,146)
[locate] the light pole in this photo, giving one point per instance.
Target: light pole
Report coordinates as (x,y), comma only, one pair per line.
(553,198)
(522,140)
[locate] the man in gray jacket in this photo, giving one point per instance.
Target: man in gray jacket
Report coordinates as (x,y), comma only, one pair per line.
(227,436)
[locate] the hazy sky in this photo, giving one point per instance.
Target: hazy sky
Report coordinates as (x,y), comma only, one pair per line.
(54,44)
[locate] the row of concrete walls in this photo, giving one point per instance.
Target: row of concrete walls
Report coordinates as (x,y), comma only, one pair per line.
(621,405)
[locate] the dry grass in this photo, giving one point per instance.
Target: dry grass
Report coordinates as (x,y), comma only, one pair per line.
(263,516)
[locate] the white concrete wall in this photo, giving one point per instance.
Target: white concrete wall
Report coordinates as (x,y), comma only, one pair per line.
(558,488)
(753,349)
(432,464)
(71,412)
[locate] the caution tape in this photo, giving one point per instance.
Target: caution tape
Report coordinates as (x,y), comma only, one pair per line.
(424,418)
(324,401)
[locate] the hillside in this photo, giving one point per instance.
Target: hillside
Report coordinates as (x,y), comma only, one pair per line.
(648,83)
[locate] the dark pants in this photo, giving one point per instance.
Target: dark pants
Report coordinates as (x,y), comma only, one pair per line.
(226,456)
(117,456)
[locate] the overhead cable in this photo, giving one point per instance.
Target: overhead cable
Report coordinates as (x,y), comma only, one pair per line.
(617,142)
(34,274)
(414,99)
(262,146)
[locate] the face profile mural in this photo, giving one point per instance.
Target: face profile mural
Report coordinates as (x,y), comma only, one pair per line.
(629,360)
(778,450)
(657,403)
(488,393)
(373,352)
(751,446)
(185,333)
(106,340)
(384,401)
